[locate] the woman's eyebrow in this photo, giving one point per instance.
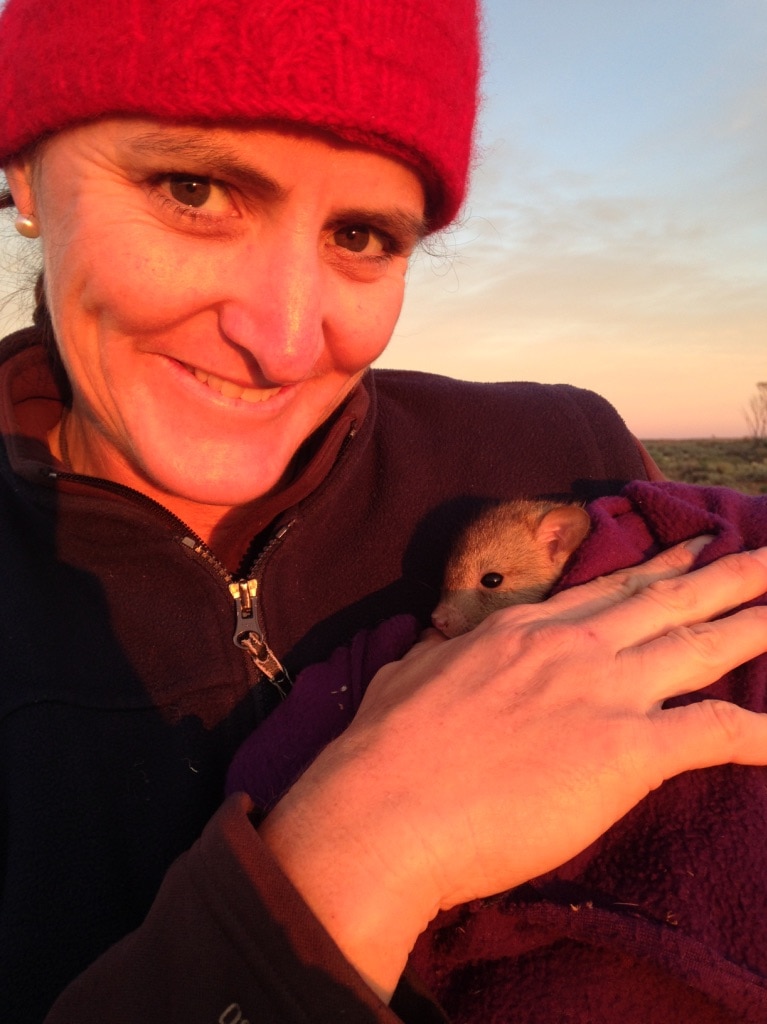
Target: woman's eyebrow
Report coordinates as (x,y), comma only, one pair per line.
(195,148)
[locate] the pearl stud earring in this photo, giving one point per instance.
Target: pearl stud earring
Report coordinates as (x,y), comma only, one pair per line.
(27,226)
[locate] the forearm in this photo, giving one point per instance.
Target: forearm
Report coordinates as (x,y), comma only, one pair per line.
(325,834)
(226,930)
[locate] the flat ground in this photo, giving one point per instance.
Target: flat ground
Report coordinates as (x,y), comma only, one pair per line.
(741,464)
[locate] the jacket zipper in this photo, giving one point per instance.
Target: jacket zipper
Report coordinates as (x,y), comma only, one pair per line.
(248,634)
(249,637)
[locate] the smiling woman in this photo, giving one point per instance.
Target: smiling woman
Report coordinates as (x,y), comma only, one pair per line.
(211,313)
(204,488)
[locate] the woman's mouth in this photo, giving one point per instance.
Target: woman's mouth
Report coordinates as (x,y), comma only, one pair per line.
(229,389)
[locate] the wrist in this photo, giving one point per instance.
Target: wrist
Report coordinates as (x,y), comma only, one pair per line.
(329,844)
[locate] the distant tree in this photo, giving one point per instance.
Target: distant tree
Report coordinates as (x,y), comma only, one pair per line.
(756,413)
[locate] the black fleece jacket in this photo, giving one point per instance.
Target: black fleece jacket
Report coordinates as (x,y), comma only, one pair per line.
(124,697)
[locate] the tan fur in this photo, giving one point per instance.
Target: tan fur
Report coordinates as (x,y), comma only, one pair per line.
(526,542)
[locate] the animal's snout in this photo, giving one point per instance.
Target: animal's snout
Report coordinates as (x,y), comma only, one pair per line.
(449,619)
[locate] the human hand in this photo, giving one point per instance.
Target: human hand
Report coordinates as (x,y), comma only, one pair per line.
(477,763)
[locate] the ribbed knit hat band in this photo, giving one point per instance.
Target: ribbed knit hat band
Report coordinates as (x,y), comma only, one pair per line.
(399,76)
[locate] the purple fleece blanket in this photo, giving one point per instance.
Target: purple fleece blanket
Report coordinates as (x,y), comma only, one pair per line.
(664,919)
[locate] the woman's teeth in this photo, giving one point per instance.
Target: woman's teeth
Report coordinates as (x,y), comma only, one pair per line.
(231,390)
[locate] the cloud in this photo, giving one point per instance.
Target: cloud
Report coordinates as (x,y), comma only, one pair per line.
(616,234)
(657,302)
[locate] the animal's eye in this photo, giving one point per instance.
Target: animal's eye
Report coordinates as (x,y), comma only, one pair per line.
(491,580)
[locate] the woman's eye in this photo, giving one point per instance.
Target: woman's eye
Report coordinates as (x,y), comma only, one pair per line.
(357,239)
(190,191)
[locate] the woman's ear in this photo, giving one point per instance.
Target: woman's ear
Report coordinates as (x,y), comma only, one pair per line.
(19,176)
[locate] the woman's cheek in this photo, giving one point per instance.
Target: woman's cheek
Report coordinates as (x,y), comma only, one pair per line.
(369,322)
(151,291)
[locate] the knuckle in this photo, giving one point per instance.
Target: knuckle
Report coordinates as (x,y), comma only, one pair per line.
(626,583)
(621,584)
(739,563)
(534,627)
(705,640)
(636,578)
(556,638)
(746,574)
(678,594)
(727,719)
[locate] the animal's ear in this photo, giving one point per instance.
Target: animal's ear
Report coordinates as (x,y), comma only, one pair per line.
(561,531)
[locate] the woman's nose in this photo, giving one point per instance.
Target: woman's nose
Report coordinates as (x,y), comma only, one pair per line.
(275,311)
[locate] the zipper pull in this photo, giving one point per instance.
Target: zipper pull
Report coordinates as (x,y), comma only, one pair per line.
(247,634)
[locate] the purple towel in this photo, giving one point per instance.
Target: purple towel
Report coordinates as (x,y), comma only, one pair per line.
(664,919)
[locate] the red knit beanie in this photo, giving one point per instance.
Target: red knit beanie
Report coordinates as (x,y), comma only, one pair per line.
(399,76)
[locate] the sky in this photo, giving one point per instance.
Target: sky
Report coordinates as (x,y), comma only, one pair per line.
(615,235)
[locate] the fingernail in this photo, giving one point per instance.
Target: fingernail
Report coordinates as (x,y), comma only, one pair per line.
(697,544)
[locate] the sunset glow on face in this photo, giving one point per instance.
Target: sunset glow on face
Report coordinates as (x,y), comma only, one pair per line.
(215,295)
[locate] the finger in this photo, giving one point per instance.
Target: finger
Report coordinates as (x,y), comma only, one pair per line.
(708,733)
(668,604)
(602,593)
(429,638)
(688,658)
(431,635)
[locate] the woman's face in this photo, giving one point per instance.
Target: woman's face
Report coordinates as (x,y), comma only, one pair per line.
(215,293)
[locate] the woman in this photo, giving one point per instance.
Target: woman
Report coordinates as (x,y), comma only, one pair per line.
(226,197)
